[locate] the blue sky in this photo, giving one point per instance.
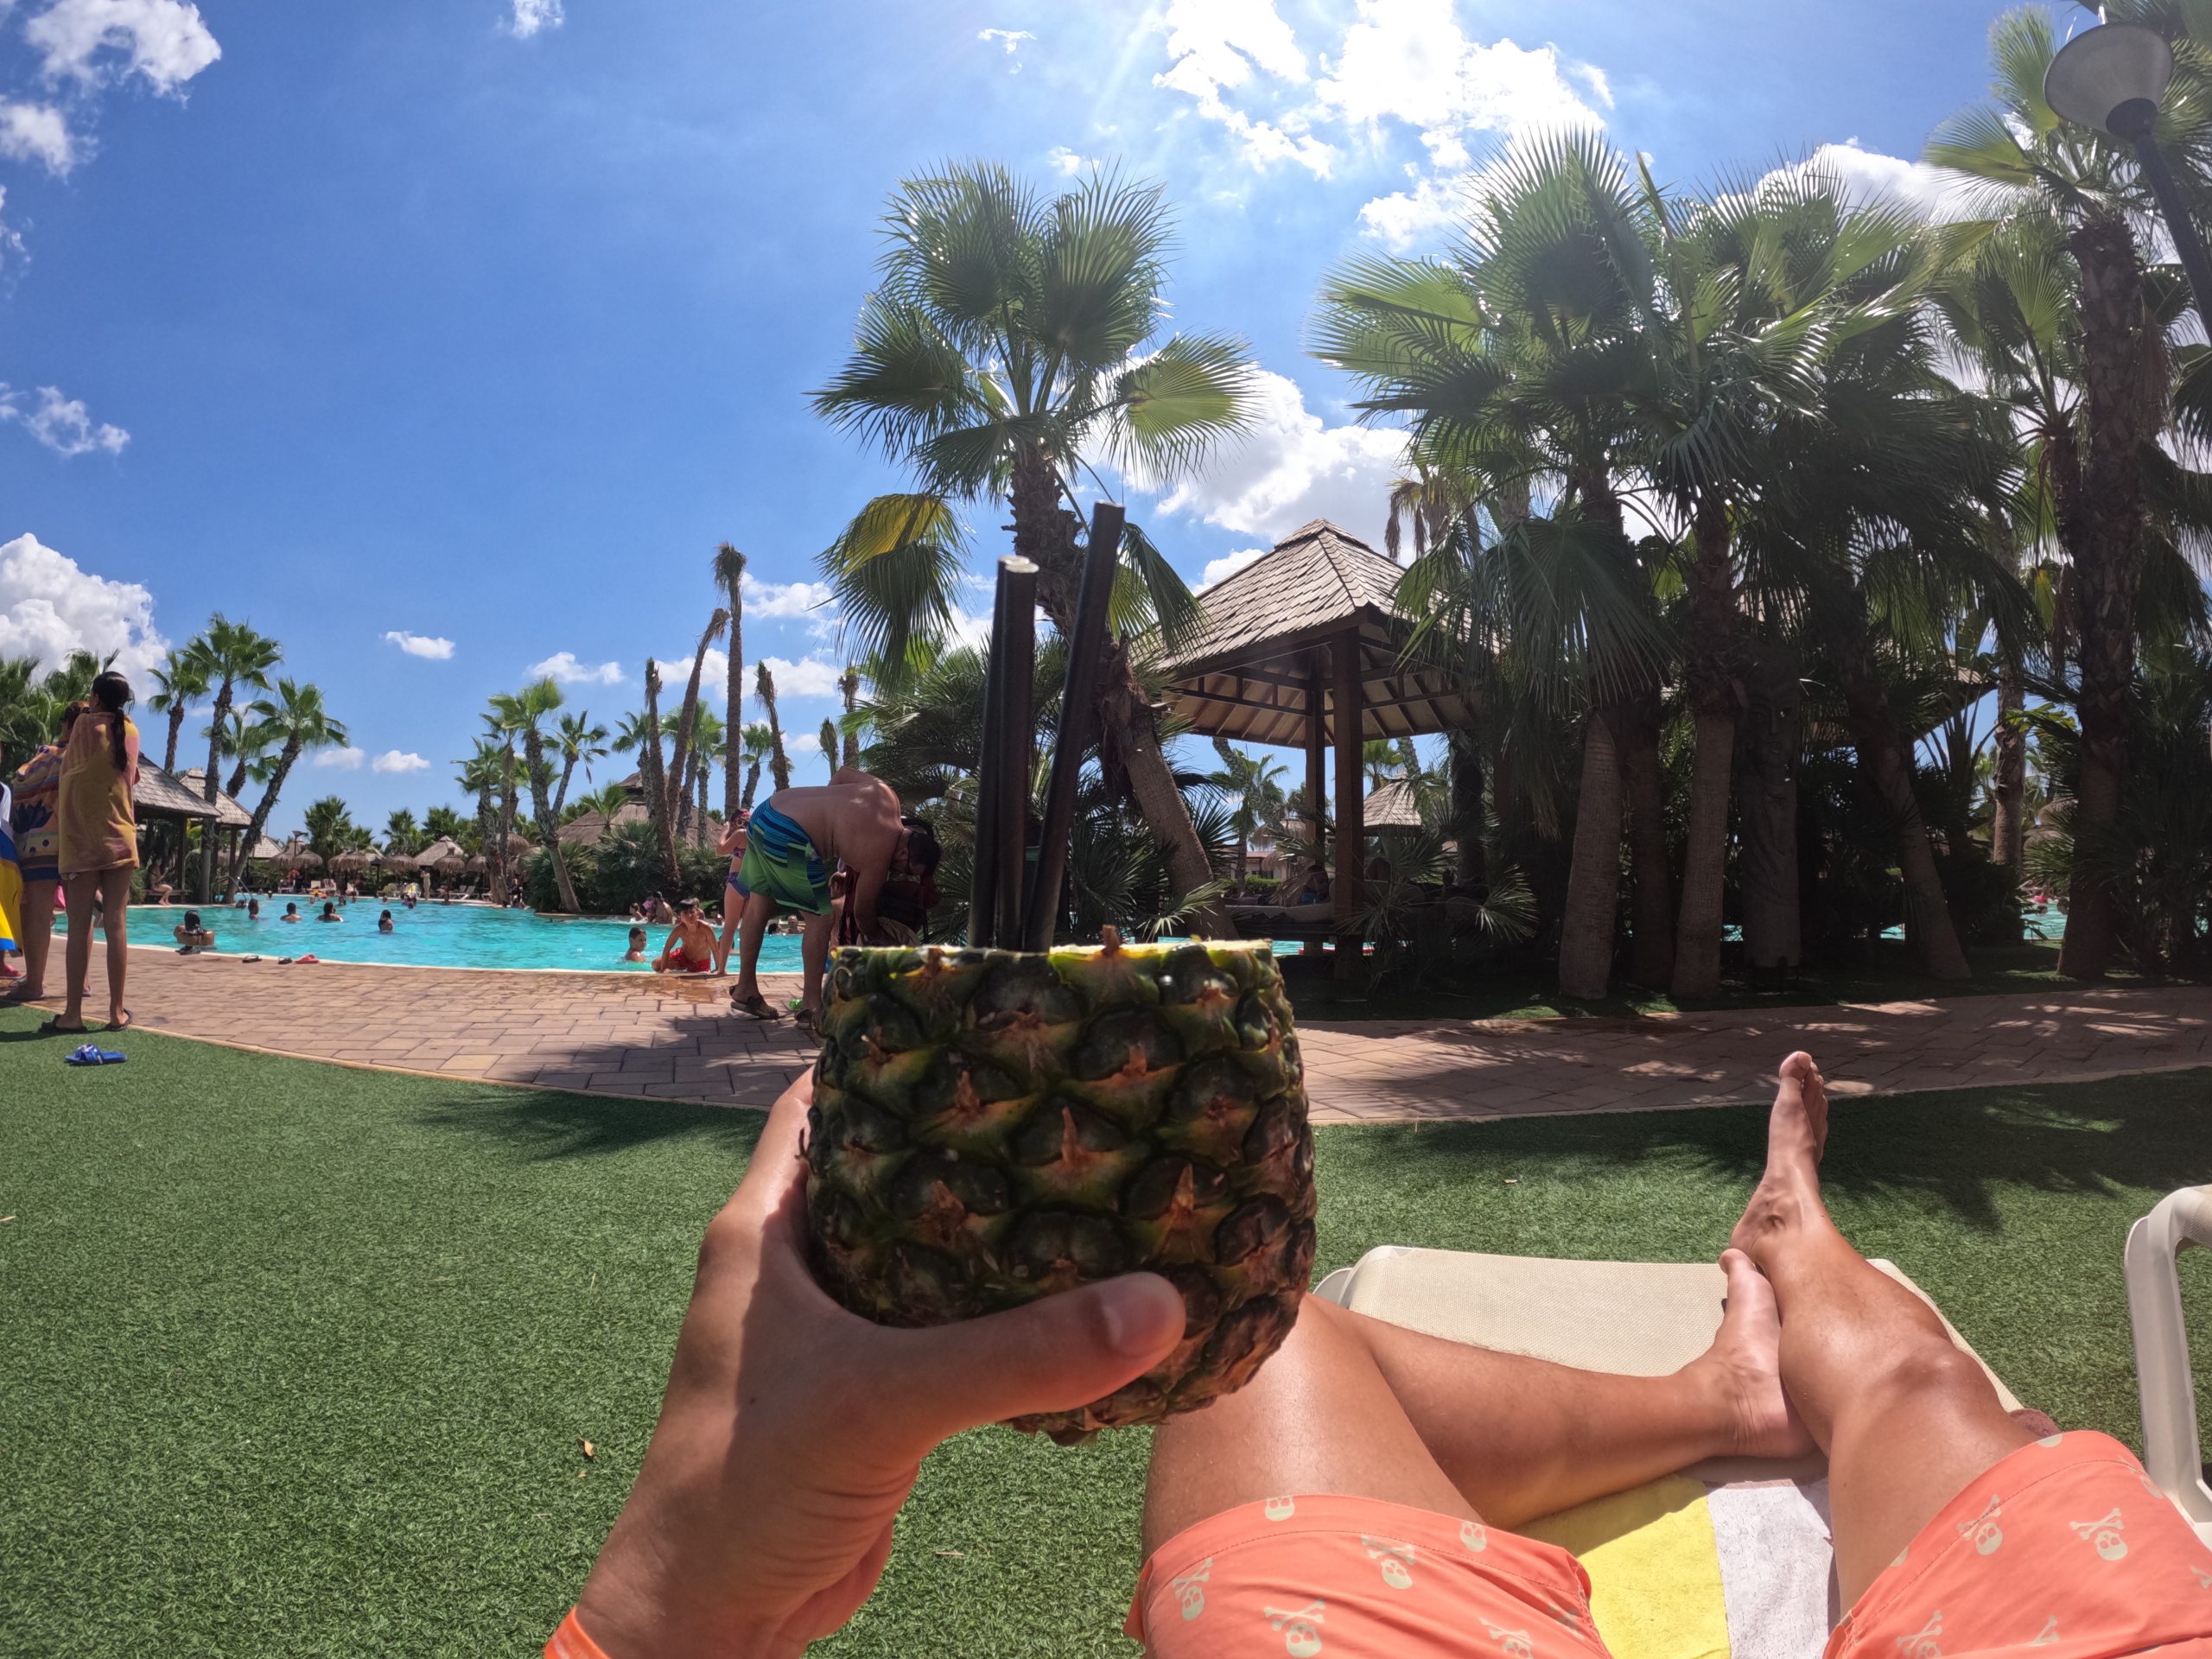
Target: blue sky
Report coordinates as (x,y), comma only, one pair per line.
(480,323)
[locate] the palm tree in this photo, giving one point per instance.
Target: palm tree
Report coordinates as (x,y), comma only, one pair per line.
(679,764)
(760,744)
(179,682)
(1009,339)
(529,707)
(443,823)
(505,717)
(606,800)
(849,685)
(709,739)
(291,723)
(330,828)
(779,764)
(1515,364)
(234,656)
(653,775)
(579,742)
(729,576)
(479,775)
(2028,161)
(1254,783)
(402,834)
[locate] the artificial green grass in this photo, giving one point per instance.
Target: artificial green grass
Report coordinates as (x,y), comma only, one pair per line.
(1517,991)
(297,1359)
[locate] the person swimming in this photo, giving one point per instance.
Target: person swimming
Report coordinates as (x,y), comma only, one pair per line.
(383,923)
(637,945)
(329,913)
(191,936)
(291,914)
(253,910)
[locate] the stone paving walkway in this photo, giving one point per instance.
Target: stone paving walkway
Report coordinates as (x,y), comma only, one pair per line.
(641,1036)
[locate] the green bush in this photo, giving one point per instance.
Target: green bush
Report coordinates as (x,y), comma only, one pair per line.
(621,869)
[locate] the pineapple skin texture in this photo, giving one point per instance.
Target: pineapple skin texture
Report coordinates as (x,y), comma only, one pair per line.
(990,1126)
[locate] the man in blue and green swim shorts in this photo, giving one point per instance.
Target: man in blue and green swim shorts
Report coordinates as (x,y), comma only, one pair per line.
(794,840)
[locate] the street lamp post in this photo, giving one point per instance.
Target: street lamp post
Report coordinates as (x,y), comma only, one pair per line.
(2112,78)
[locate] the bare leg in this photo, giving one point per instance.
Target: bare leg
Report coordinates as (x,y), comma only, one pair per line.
(814,951)
(1354,1407)
(77,949)
(115,897)
(38,940)
(754,922)
(733,914)
(1906,1418)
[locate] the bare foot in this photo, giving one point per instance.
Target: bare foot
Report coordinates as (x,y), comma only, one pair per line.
(1744,1365)
(1796,1135)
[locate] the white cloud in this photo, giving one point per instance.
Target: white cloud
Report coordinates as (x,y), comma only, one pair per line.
(531,15)
(1011,39)
(563,666)
(396,760)
(49,607)
(1868,178)
(1406,61)
(784,599)
(1213,47)
(1065,161)
(797,743)
(809,677)
(1423,213)
(165,41)
(423,645)
(1291,468)
(1221,569)
(62,424)
(37,133)
(345,760)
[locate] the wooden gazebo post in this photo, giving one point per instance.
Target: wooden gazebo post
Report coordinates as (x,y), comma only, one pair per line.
(1317,751)
(1351,839)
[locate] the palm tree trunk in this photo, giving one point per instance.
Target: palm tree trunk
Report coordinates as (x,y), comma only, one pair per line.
(1128,739)
(547,828)
(1464,756)
(261,813)
(2009,790)
(699,774)
(1651,876)
(215,761)
(733,694)
(1714,698)
(1928,926)
(1771,736)
(1593,881)
(751,786)
(2107,549)
(503,855)
(176,730)
(850,685)
(656,780)
(679,769)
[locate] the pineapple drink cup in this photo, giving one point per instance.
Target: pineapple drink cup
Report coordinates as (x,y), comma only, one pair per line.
(991,1126)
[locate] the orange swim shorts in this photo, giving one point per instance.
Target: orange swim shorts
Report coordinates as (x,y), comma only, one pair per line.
(2064,1548)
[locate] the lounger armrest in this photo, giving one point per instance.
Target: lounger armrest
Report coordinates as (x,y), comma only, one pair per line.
(2172,1449)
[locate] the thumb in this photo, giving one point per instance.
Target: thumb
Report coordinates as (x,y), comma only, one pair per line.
(1060,1352)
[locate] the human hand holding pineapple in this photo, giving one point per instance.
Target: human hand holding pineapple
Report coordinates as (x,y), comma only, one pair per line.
(792,1430)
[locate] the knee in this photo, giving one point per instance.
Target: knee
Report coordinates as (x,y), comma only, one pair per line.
(1928,1370)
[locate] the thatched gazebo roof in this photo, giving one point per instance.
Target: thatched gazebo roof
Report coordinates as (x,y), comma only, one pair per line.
(229,814)
(1391,807)
(1262,655)
(161,795)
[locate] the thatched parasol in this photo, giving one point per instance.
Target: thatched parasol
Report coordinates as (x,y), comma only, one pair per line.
(353,858)
(439,854)
(297,852)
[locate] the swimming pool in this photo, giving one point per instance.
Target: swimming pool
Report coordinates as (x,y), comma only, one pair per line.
(432,936)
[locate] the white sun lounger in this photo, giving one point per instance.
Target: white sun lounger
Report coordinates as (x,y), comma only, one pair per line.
(1735,1556)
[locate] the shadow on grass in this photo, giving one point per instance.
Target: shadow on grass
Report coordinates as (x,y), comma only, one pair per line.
(547,1124)
(1952,1152)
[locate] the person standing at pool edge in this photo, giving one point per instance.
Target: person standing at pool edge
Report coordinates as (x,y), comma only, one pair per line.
(796,837)
(38,850)
(99,844)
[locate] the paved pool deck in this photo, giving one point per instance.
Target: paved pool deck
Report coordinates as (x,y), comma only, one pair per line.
(657,1039)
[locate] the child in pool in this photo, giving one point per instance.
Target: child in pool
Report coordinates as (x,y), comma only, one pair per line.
(384,922)
(191,936)
(637,945)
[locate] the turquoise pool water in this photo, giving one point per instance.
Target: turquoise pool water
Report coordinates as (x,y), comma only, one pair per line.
(432,935)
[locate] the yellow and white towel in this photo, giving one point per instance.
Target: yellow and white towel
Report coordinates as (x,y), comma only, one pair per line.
(1681,1569)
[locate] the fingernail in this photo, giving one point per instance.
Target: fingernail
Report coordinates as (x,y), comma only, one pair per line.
(1137,1311)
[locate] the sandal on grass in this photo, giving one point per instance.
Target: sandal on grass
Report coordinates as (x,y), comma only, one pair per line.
(123,1024)
(54,1027)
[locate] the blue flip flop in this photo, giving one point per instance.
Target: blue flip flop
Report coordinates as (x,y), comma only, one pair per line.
(93,1054)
